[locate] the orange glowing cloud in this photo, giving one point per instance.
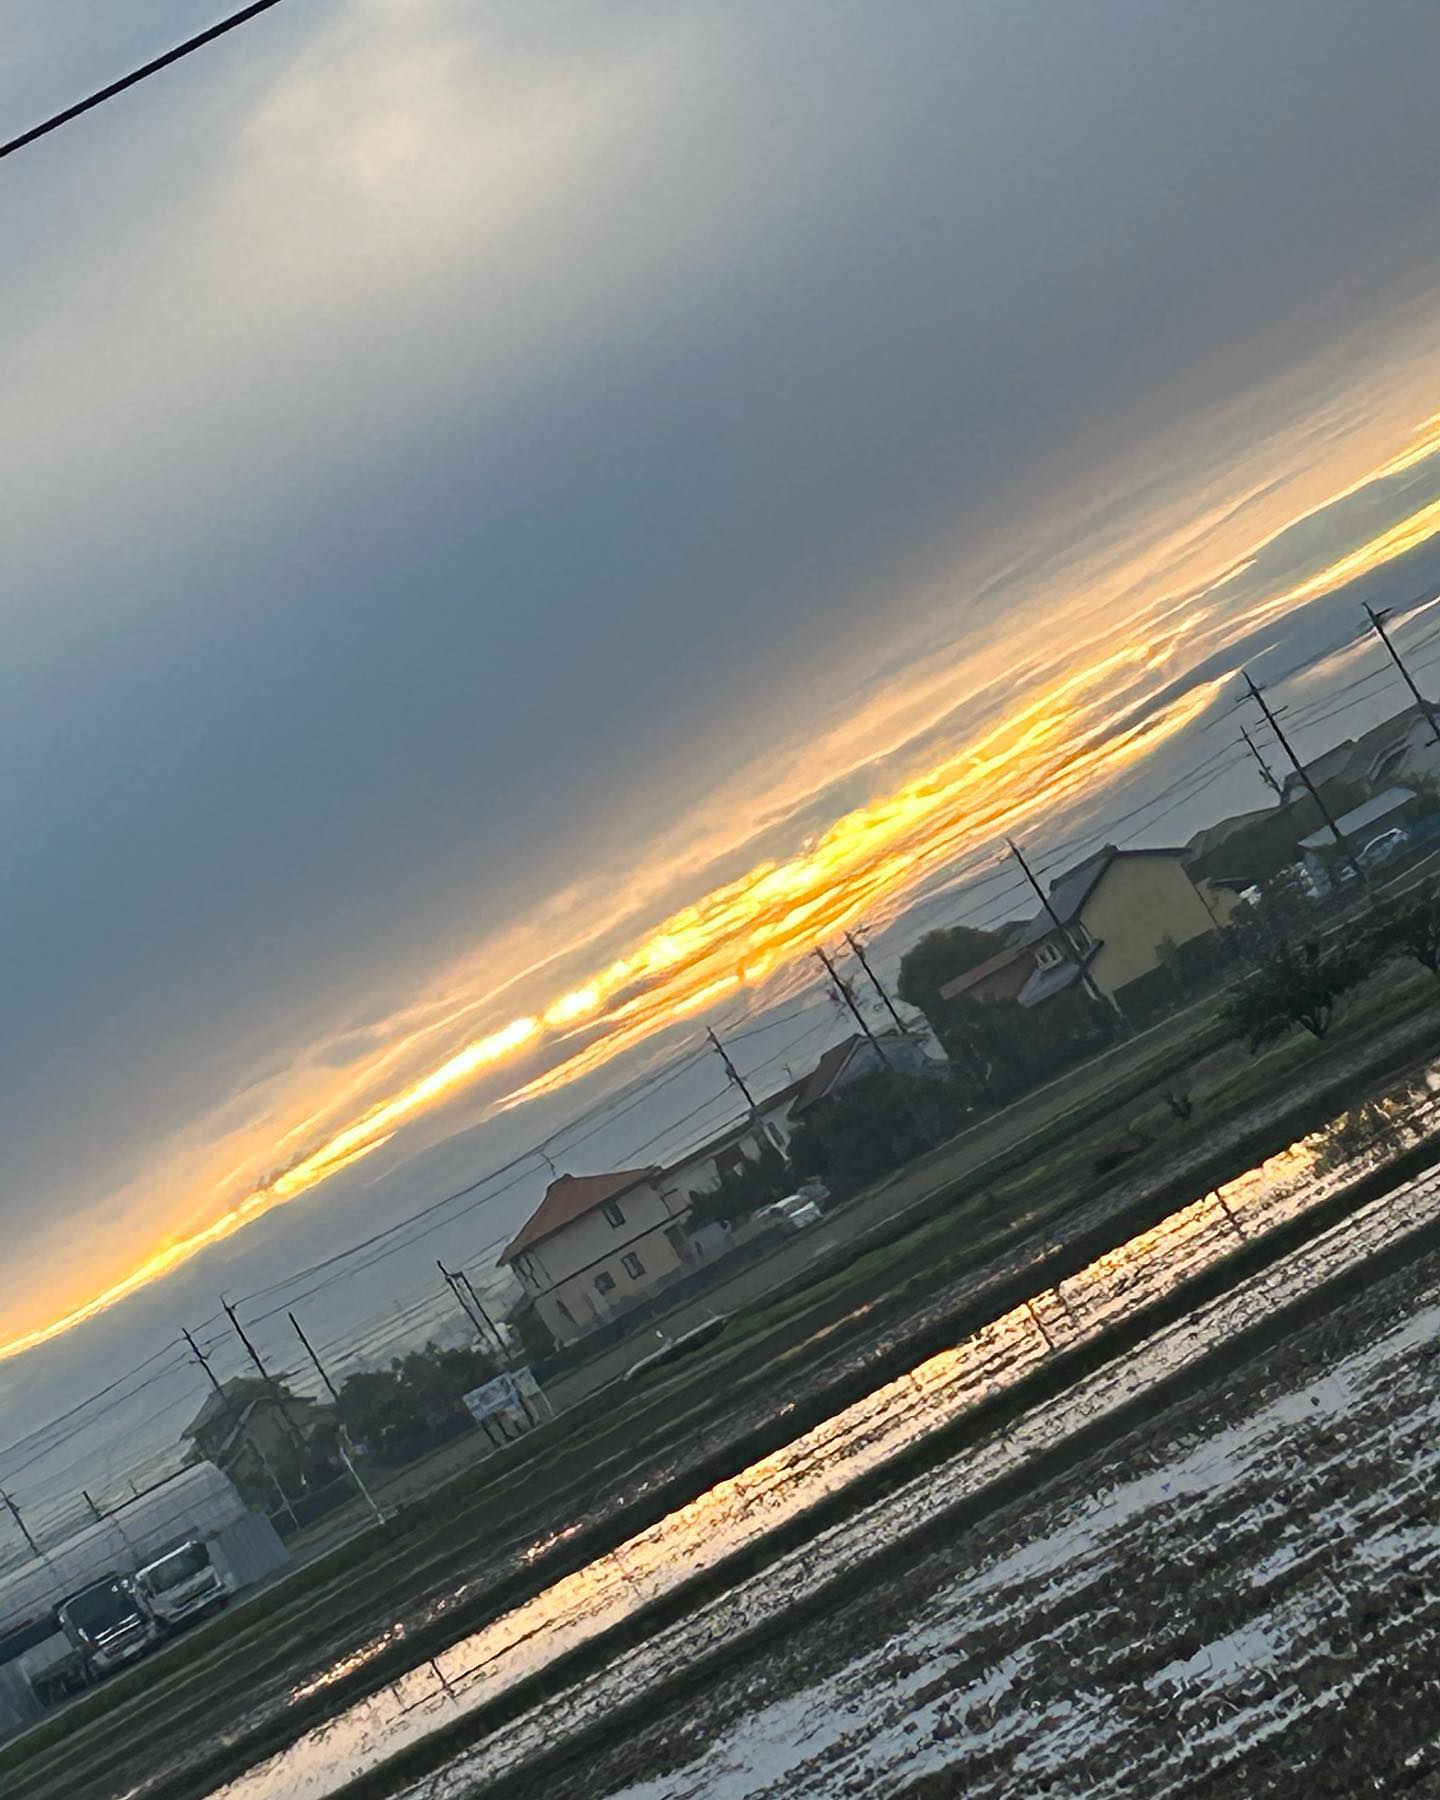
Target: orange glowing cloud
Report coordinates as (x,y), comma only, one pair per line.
(1067,729)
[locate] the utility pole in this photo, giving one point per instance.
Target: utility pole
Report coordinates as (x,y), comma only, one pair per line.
(736,1079)
(320,1369)
(461,1286)
(24,1529)
(1377,621)
(1341,840)
(838,981)
(876,983)
(274,1386)
(250,1349)
(101,1516)
(453,1284)
(343,1440)
(875,1043)
(1267,774)
(734,1076)
(228,1405)
(462,1276)
(1091,986)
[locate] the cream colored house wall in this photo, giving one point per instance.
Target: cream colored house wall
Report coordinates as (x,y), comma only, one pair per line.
(562,1270)
(701,1174)
(1138,904)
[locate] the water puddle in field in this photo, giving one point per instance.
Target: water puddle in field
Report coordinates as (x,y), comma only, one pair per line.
(737,1513)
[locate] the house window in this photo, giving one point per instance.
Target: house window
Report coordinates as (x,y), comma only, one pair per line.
(612,1212)
(525,1269)
(565,1312)
(632,1265)
(730,1162)
(604,1282)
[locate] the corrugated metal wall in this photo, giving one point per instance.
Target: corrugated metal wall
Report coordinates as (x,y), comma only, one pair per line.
(198,1502)
(248,1551)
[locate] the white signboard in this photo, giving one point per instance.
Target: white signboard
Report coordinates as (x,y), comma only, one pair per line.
(501,1395)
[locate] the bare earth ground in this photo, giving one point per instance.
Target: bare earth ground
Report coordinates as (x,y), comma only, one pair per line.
(1239,1600)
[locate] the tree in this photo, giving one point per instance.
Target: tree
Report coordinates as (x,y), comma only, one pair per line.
(939,957)
(741,1191)
(871,1126)
(400,1412)
(1002,1049)
(1283,914)
(1299,984)
(1410,926)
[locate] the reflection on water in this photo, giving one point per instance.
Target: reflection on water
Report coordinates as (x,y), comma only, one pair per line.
(778,1488)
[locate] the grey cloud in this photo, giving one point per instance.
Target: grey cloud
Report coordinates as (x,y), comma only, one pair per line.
(372,624)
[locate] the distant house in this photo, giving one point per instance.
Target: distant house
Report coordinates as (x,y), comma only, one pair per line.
(1000,977)
(855,1057)
(595,1245)
(1120,913)
(1399,751)
(702,1170)
(746,1140)
(1402,750)
(1358,826)
(1335,764)
(250,1427)
(598,1245)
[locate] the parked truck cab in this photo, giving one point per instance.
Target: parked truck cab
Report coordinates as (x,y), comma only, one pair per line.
(181,1586)
(108,1623)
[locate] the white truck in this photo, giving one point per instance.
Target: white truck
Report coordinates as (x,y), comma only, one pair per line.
(181,1586)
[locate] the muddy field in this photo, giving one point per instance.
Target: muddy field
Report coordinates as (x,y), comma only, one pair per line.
(254,1715)
(1241,1600)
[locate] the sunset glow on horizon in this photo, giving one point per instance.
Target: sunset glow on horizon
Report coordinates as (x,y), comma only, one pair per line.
(1067,738)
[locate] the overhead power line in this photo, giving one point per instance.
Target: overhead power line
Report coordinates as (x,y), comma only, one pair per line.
(51,1438)
(109,92)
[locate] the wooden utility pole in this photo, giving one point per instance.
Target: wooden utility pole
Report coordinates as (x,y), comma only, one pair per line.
(733,1075)
(276,1392)
(343,1437)
(1267,774)
(24,1529)
(876,982)
(1341,840)
(1088,981)
(310,1351)
(461,1286)
(875,1043)
(1377,624)
(838,982)
(463,1276)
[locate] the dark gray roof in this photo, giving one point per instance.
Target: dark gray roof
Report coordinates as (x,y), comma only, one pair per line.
(1044,984)
(238,1391)
(241,1393)
(1371,813)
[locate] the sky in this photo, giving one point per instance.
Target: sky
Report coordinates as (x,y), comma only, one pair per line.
(519,519)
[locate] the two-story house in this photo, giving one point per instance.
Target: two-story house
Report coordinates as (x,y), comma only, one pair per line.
(1111,919)
(1120,913)
(595,1245)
